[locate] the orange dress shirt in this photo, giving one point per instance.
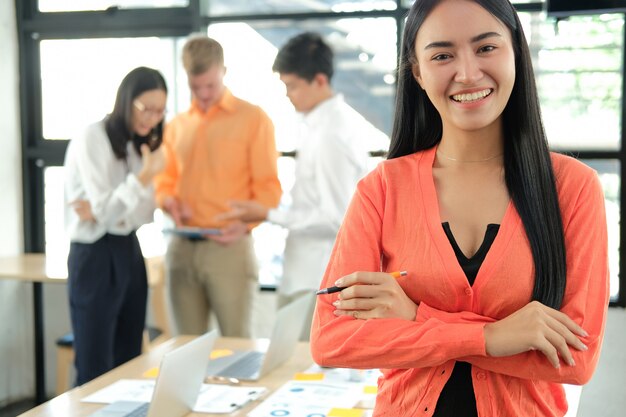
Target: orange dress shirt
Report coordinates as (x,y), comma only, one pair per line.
(393,224)
(226,153)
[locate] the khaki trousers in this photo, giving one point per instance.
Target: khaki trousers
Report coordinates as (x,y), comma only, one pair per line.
(205,277)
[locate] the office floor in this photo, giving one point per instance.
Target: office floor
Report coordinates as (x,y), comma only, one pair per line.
(603,396)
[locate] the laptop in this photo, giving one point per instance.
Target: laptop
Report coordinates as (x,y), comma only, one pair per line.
(177,386)
(252,365)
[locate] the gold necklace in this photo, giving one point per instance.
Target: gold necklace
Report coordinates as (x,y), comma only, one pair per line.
(468,161)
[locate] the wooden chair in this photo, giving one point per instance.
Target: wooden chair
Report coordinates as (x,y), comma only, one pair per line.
(65,362)
(152,336)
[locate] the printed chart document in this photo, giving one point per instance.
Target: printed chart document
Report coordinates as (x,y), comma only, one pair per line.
(213,398)
(323,392)
(307,399)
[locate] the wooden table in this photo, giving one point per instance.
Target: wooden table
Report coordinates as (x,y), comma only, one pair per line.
(36,269)
(69,404)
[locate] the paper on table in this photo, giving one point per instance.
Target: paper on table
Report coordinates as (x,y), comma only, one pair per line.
(219,398)
(308,399)
(364,379)
(213,398)
(367,377)
(123,390)
(345,412)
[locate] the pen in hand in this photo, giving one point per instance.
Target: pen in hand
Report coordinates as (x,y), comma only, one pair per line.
(330,290)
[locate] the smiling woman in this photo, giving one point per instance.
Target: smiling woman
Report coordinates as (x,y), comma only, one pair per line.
(507,286)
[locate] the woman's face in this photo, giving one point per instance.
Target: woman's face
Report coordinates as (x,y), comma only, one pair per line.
(148,111)
(465,63)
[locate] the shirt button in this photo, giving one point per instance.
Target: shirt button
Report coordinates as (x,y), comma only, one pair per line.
(481,376)
(468,291)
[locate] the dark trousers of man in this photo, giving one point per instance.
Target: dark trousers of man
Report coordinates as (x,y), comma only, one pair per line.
(108,290)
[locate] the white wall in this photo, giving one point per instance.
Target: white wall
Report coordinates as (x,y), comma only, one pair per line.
(16,357)
(16,319)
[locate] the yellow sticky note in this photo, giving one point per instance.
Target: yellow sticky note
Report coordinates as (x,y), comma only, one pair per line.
(370,389)
(219,353)
(302,376)
(345,412)
(151,373)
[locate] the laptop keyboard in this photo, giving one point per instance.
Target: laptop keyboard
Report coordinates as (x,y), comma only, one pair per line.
(248,365)
(141,411)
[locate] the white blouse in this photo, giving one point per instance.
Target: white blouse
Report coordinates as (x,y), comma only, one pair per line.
(119,202)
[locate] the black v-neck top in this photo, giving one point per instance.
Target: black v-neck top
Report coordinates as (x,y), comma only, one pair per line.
(457,398)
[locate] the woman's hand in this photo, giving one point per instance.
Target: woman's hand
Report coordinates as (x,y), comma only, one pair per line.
(153,162)
(83,209)
(535,327)
(370,295)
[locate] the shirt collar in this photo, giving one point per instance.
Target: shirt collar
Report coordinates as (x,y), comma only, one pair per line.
(226,103)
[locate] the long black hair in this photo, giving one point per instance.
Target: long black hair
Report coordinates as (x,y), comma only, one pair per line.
(118,124)
(528,169)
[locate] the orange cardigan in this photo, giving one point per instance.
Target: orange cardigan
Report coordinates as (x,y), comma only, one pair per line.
(392,224)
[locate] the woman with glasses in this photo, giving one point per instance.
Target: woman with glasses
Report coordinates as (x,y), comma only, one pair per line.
(108,196)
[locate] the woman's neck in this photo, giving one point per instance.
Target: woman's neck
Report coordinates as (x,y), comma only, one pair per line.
(482,145)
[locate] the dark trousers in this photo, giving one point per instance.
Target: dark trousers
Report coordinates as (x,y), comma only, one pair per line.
(108,290)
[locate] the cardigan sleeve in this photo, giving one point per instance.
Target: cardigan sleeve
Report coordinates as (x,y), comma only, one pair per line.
(586,293)
(381,343)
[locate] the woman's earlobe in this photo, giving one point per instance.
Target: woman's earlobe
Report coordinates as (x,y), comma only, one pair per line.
(416,74)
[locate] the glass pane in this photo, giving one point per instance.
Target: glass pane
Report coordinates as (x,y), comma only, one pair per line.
(578,67)
(79,78)
(269,7)
(365,61)
(609,172)
(86,5)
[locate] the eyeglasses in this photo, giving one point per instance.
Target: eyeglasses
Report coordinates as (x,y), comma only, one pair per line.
(149,112)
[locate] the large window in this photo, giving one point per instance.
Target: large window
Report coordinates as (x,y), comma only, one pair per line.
(85,74)
(74,54)
(578,65)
